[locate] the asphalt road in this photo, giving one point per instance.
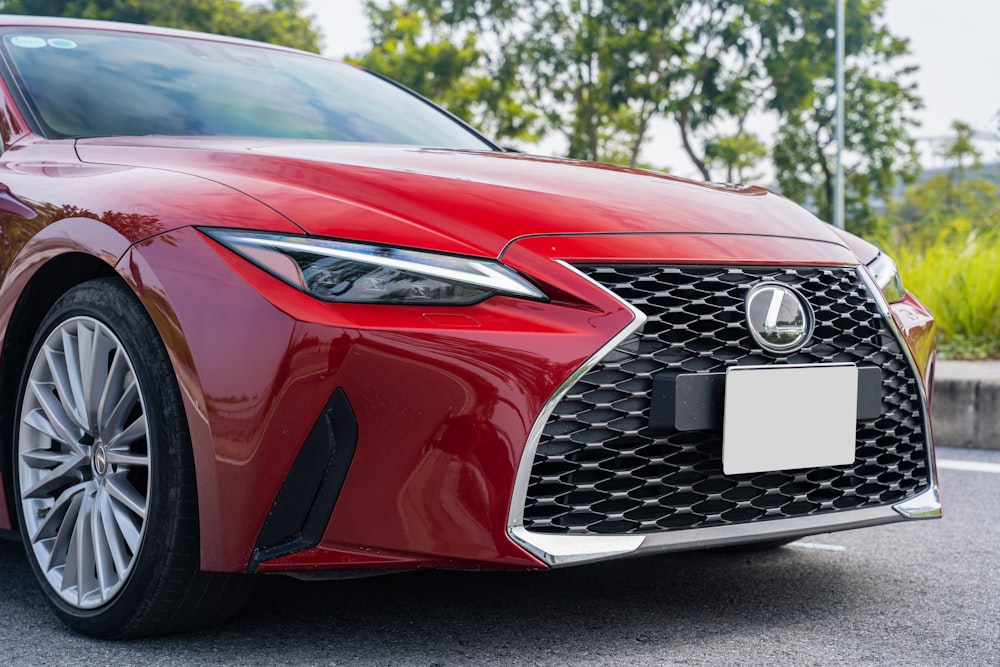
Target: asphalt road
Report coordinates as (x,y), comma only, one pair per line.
(926,593)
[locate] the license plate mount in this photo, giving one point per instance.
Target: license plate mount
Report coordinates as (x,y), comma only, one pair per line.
(789,417)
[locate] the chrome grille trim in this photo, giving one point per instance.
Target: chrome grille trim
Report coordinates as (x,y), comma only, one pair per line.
(516,515)
(927,505)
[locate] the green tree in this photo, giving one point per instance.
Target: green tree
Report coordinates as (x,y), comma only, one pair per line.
(940,209)
(600,70)
(719,76)
(948,205)
(275,21)
(880,99)
(737,153)
(414,46)
(592,71)
(961,149)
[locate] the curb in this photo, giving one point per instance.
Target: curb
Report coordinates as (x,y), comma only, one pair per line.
(965,410)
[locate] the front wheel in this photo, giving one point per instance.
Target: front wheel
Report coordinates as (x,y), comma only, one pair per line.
(104,474)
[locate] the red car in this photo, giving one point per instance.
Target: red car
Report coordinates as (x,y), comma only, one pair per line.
(263,312)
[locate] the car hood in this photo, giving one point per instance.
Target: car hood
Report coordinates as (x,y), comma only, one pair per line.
(468,202)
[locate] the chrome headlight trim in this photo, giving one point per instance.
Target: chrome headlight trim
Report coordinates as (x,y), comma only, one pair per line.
(290,257)
(883,270)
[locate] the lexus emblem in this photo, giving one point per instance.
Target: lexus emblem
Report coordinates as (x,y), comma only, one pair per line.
(780,320)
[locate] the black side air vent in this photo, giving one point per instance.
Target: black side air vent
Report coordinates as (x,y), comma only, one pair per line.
(306,500)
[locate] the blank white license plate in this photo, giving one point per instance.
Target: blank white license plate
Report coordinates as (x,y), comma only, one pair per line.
(788,417)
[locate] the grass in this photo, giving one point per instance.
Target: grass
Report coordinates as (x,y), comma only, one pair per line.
(959,280)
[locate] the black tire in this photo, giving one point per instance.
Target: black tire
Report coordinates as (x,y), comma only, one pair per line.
(152,583)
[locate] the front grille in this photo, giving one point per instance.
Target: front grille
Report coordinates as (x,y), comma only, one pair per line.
(599,469)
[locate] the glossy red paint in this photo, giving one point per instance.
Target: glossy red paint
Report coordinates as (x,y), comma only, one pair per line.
(55,206)
(256,358)
(443,489)
(863,250)
(681,248)
(916,323)
(408,196)
(258,371)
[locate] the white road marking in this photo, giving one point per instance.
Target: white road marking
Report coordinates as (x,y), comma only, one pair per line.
(817,547)
(968,466)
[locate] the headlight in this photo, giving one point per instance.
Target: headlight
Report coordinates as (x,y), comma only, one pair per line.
(883,269)
(360,273)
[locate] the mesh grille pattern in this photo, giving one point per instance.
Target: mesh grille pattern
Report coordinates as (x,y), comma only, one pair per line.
(598,469)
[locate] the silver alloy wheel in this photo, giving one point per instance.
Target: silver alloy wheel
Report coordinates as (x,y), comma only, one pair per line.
(83,462)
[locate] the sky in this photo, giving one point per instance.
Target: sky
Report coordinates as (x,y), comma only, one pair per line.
(954,43)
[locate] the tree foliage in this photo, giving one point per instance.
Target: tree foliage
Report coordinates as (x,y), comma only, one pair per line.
(415,46)
(737,153)
(275,21)
(600,72)
(948,205)
(580,68)
(943,235)
(940,208)
(879,149)
(961,148)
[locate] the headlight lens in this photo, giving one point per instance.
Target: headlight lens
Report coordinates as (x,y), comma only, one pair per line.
(360,273)
(883,269)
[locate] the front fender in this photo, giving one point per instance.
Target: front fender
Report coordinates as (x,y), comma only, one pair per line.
(231,351)
(96,244)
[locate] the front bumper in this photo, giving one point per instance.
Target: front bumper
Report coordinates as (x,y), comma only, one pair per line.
(447,401)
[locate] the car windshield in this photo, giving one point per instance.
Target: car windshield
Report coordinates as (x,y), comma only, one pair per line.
(86,83)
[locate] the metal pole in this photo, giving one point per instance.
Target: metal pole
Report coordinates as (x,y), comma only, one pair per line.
(838,195)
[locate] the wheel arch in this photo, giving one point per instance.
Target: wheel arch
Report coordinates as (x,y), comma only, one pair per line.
(43,288)
(63,254)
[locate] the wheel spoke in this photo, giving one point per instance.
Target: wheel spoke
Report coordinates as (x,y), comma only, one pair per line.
(56,479)
(57,515)
(128,459)
(67,429)
(64,536)
(71,352)
(113,533)
(79,571)
(114,422)
(63,385)
(37,420)
(136,431)
(122,490)
(103,560)
(127,524)
(95,372)
(47,459)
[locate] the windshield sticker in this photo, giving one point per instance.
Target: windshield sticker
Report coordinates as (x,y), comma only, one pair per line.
(27,42)
(62,43)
